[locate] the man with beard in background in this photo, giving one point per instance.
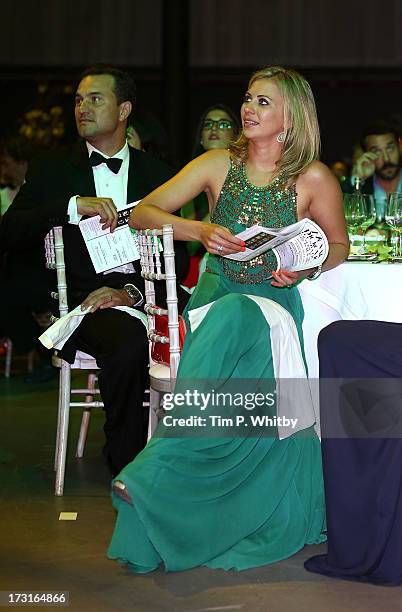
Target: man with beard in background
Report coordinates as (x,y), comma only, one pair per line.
(379,168)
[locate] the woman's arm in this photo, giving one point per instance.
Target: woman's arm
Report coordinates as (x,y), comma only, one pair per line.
(326,209)
(205,173)
(320,199)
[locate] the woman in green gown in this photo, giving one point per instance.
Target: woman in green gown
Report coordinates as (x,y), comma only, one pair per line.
(246,499)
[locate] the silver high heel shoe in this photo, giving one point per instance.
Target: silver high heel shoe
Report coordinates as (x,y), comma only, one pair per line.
(120,489)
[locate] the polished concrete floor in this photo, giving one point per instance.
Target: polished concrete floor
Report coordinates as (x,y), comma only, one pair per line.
(41,553)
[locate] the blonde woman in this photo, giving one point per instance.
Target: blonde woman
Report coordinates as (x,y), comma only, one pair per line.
(237,499)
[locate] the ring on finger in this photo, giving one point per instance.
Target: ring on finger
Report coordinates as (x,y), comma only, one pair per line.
(219,248)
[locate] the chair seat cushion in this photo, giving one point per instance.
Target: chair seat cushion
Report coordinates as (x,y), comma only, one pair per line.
(160,371)
(83,361)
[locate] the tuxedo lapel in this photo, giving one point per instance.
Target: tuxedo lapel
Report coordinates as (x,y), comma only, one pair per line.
(82,172)
(133,179)
(141,175)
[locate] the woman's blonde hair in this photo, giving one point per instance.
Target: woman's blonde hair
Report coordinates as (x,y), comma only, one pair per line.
(302,135)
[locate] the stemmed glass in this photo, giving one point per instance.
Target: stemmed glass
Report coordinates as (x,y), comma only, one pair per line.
(371,215)
(355,206)
(393,218)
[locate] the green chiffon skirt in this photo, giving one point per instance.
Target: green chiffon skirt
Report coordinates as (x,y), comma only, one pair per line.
(223,502)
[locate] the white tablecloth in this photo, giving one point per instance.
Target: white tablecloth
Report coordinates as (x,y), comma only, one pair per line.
(353,290)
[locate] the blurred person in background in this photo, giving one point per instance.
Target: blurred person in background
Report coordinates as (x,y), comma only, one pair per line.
(340,170)
(23,319)
(146,133)
(15,154)
(379,165)
(218,126)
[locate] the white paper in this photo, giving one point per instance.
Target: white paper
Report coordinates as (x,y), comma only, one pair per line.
(57,334)
(299,246)
(109,250)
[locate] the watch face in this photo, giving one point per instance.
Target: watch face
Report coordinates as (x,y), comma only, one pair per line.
(135,294)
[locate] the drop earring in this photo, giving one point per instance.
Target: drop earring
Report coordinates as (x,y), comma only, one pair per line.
(281,137)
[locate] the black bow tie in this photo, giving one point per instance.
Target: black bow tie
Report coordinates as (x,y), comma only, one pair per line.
(113,163)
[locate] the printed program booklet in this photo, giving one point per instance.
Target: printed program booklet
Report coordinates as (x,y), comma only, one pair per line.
(107,249)
(299,246)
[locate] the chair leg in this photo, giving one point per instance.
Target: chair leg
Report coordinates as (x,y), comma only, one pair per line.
(86,415)
(62,434)
(154,404)
(59,411)
(9,354)
(31,356)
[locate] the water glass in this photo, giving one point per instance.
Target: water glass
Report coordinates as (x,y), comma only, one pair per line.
(393,218)
(370,218)
(356,214)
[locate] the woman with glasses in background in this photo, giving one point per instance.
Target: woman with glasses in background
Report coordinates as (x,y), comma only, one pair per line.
(217,128)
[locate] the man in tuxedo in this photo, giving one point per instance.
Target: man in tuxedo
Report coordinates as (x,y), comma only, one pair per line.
(97,177)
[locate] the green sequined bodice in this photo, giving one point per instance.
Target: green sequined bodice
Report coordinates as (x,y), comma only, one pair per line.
(241,205)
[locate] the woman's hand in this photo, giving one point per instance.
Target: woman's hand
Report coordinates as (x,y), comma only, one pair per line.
(218,240)
(285,278)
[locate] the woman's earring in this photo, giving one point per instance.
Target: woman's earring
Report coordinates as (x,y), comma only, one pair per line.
(281,137)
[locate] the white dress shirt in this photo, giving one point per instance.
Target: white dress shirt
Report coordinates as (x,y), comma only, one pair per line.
(107,185)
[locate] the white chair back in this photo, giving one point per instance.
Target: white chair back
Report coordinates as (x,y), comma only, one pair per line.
(151,271)
(54,252)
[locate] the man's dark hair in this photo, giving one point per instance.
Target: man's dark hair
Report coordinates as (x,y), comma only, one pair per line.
(124,84)
(378,129)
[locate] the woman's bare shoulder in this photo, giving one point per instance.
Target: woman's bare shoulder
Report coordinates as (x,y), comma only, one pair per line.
(215,157)
(316,172)
(213,166)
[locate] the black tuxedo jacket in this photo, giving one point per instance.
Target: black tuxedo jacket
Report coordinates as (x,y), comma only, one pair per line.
(43,201)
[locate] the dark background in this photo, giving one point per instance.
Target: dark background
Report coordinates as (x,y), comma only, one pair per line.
(189,54)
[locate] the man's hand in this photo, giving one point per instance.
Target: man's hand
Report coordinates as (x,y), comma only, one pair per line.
(365,165)
(104,207)
(106,297)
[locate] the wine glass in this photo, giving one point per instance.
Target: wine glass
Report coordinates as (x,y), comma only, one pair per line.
(393,218)
(356,215)
(371,215)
